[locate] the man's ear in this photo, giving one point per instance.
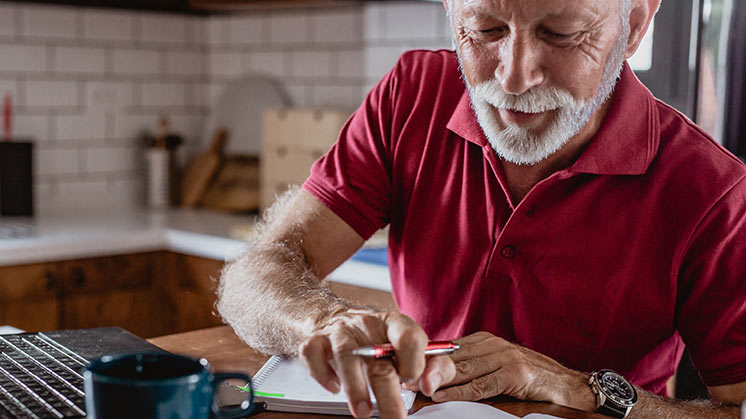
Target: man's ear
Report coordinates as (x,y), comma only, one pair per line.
(641,15)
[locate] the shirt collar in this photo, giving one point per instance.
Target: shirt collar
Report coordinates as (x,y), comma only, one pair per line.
(625,144)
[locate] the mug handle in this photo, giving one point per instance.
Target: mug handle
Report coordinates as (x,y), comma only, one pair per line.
(235,412)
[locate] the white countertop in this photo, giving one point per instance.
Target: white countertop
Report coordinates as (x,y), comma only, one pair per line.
(64,236)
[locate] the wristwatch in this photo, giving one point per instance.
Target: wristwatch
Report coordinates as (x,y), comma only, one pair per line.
(615,396)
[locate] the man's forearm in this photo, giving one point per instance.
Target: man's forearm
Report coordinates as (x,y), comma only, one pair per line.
(272,298)
(652,406)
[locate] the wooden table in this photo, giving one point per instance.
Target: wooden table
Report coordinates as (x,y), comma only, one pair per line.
(226,352)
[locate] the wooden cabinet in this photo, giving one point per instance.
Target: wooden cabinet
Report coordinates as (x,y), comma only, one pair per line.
(29,296)
(188,289)
(149,294)
(112,291)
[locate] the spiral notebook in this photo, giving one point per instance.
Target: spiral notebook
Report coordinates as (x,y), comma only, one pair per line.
(286,386)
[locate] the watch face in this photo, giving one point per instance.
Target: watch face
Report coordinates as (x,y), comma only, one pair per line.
(617,388)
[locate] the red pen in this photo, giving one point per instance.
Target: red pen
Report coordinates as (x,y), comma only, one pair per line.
(386,350)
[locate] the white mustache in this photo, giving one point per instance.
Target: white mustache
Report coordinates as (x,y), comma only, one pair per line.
(536,100)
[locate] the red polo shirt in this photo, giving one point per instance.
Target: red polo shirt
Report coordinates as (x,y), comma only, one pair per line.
(615,262)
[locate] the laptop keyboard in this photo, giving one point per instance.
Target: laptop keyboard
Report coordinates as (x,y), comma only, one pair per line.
(39,378)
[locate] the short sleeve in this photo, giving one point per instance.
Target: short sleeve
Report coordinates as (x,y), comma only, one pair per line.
(711,315)
(354,178)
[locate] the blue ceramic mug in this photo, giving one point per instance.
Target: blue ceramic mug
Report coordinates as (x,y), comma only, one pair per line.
(157,385)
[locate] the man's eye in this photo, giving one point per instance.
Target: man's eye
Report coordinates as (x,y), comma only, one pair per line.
(548,33)
(497,30)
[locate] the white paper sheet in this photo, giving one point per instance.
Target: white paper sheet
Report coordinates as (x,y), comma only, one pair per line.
(469,410)
(461,410)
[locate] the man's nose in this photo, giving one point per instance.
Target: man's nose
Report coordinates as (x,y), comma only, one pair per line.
(520,66)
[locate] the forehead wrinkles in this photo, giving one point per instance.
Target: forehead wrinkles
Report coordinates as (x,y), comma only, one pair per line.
(531,10)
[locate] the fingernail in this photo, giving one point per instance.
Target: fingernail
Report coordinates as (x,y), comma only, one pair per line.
(333,386)
(363,409)
(439,395)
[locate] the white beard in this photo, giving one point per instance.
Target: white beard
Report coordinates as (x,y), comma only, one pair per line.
(522,146)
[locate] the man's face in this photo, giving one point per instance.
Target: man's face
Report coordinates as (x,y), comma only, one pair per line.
(538,70)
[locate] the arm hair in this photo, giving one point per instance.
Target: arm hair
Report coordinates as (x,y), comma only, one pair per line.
(653,406)
(270,295)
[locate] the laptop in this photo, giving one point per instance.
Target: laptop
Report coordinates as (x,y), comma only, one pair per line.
(41,373)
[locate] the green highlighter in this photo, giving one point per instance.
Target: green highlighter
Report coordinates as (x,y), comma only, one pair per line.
(260,393)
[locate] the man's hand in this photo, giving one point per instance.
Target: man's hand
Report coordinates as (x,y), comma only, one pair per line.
(356,328)
(487,366)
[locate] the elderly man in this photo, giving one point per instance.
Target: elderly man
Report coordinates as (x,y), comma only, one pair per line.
(546,212)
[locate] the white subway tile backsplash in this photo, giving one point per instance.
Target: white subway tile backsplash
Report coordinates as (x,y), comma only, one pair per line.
(269,63)
(31,127)
(112,158)
(81,127)
(289,29)
(129,127)
(82,194)
(52,94)
(136,62)
(128,191)
(186,63)
(108,96)
(351,63)
(374,22)
(224,64)
(163,94)
(108,75)
(336,95)
(246,30)
(163,29)
(214,92)
(79,60)
(9,86)
(300,94)
(379,60)
(7,20)
(52,160)
(405,21)
(337,27)
(216,30)
(312,64)
(108,25)
(50,22)
(23,58)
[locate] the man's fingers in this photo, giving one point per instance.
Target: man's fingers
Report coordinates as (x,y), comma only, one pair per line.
(469,369)
(385,384)
(438,371)
(473,346)
(315,354)
(409,342)
(477,389)
(350,371)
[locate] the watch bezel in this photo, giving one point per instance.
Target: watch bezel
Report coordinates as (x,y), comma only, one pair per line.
(624,403)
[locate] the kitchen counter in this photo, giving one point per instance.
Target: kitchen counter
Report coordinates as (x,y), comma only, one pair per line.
(208,234)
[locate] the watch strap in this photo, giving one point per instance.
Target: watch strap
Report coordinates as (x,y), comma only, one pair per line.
(612,411)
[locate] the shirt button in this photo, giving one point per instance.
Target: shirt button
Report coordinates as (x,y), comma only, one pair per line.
(508,252)
(531,211)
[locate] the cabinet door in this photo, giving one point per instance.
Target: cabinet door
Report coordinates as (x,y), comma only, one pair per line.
(29,296)
(111,291)
(188,287)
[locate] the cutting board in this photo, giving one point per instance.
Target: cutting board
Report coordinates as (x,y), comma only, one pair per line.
(236,187)
(238,108)
(201,170)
